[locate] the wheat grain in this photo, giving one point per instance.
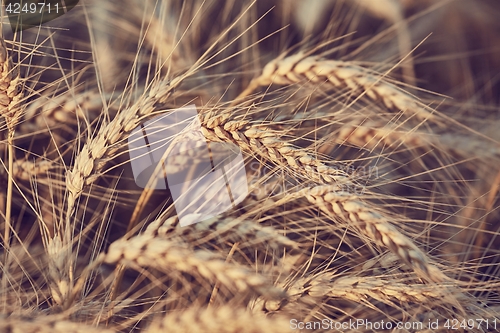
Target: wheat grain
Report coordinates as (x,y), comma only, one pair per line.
(148,251)
(184,278)
(372,134)
(225,319)
(356,289)
(26,169)
(299,68)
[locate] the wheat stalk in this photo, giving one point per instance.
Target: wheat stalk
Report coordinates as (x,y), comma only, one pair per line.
(340,74)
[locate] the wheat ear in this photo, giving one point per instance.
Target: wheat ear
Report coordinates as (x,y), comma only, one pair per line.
(371,134)
(358,289)
(264,142)
(371,222)
(224,319)
(220,230)
(64,109)
(99,149)
(60,268)
(149,251)
(11,94)
(299,68)
(44,324)
(26,169)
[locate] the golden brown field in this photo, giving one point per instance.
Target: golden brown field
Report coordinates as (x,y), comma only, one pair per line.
(370,131)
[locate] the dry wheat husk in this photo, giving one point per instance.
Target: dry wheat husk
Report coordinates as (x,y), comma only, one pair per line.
(65,109)
(27,169)
(373,134)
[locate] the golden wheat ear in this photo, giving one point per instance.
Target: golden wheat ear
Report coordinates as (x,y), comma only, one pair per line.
(339,74)
(11,108)
(224,319)
(48,325)
(150,251)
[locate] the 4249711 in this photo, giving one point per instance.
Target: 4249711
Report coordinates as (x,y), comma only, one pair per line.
(25,14)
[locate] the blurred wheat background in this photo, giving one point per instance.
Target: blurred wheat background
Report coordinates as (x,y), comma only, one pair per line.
(370,132)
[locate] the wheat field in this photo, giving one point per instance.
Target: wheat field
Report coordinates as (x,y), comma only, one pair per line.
(369,134)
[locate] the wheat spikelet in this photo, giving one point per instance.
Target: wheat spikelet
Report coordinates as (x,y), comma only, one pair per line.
(60,269)
(225,319)
(220,230)
(148,251)
(47,325)
(299,68)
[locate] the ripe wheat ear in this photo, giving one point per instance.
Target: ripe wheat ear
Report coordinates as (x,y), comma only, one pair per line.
(149,251)
(11,108)
(340,74)
(373,224)
(245,232)
(225,319)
